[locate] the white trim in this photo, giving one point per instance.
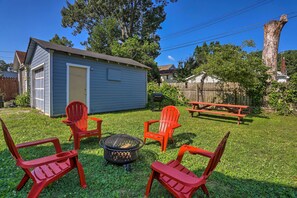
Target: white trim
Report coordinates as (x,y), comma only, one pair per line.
(37,67)
(39,99)
(39,88)
(87,79)
(39,78)
(50,67)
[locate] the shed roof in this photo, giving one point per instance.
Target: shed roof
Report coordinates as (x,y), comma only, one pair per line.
(62,48)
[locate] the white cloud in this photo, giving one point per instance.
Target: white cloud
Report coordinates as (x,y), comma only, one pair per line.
(170,58)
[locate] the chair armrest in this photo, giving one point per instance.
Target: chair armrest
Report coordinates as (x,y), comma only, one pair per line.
(95,119)
(176,175)
(68,122)
(174,126)
(48,159)
(55,141)
(152,121)
(193,150)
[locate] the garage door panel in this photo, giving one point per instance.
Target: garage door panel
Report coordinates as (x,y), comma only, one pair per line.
(39,89)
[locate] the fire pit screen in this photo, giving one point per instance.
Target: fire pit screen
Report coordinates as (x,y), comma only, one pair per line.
(121,149)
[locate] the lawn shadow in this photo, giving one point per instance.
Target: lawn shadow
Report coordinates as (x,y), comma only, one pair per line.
(225,119)
(181,139)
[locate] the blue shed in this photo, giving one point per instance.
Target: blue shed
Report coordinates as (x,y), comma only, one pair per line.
(59,75)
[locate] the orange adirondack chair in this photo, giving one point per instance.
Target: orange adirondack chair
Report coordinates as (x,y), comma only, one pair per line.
(180,181)
(168,122)
(45,170)
(77,119)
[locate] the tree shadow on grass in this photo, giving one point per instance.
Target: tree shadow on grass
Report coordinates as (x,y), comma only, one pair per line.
(224,119)
(221,185)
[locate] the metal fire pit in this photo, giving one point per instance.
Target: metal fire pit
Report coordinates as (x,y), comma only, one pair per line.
(121,149)
(157,97)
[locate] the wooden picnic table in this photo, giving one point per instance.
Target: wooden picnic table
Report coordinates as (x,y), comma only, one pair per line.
(225,109)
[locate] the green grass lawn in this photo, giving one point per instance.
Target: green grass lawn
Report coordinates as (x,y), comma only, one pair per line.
(260,157)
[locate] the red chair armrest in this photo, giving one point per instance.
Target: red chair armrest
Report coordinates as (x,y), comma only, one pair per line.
(54,140)
(176,175)
(152,121)
(68,122)
(48,159)
(193,150)
(174,126)
(95,119)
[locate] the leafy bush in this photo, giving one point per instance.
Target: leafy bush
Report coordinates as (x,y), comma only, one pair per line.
(172,96)
(23,100)
(283,96)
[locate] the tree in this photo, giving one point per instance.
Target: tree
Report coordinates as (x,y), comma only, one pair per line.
(291,61)
(272,31)
(4,66)
(61,41)
(112,23)
(230,63)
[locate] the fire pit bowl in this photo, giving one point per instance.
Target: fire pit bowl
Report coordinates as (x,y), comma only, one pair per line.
(121,149)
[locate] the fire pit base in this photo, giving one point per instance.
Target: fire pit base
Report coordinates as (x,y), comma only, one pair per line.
(121,149)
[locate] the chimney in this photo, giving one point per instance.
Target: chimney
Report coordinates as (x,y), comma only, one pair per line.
(283,67)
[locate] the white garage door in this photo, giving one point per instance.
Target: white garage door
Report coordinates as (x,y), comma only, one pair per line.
(39,89)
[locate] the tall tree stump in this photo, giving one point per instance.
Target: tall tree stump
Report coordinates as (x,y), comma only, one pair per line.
(272,31)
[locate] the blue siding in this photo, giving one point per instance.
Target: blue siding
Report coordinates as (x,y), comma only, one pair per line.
(105,95)
(41,56)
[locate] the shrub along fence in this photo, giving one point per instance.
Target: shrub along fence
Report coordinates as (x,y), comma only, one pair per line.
(8,88)
(215,92)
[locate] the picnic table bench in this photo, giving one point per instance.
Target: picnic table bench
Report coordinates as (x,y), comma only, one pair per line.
(211,108)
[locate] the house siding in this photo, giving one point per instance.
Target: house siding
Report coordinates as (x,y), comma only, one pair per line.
(128,92)
(41,56)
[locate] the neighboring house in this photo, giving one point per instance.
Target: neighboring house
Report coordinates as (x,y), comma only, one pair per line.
(60,74)
(8,74)
(281,76)
(167,73)
(197,79)
(19,66)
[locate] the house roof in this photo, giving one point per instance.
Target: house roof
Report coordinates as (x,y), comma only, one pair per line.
(21,56)
(62,48)
(165,67)
(8,74)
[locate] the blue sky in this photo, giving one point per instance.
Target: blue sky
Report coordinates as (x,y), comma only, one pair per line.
(22,19)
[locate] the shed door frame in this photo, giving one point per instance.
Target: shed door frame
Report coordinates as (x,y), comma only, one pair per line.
(87,79)
(40,66)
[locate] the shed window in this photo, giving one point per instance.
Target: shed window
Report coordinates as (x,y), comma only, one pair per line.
(115,75)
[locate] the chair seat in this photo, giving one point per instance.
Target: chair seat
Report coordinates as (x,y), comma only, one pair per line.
(88,133)
(51,170)
(175,185)
(153,135)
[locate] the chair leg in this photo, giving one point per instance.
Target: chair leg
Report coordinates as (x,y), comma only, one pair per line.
(205,190)
(81,174)
(23,182)
(76,143)
(70,137)
(36,190)
(149,183)
(144,140)
(165,144)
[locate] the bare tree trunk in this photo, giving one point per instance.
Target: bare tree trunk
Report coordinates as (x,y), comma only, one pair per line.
(272,31)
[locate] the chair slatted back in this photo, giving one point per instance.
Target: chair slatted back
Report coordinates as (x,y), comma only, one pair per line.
(9,142)
(77,112)
(169,116)
(213,162)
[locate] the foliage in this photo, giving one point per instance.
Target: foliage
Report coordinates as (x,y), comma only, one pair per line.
(110,24)
(61,41)
(291,61)
(4,66)
(172,95)
(184,69)
(259,159)
(23,100)
(283,96)
(230,63)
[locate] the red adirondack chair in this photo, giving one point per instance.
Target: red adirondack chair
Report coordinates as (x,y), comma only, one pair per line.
(180,181)
(168,122)
(45,170)
(77,119)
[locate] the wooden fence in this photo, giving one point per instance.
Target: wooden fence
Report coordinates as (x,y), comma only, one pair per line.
(8,88)
(229,93)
